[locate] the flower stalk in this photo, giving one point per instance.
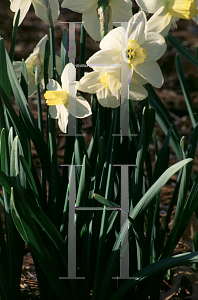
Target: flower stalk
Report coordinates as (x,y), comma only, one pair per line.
(104,14)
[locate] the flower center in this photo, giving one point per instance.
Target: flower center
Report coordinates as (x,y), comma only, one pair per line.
(184,9)
(104,80)
(135,54)
(56,97)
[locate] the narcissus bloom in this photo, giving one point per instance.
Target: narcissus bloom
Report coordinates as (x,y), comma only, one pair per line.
(167,12)
(121,11)
(36,58)
(63,100)
(106,85)
(39,7)
(135,48)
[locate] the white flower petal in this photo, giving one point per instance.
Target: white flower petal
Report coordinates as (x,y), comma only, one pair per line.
(23,5)
(40,47)
(150,71)
(121,11)
(78,107)
(90,83)
(136,90)
(17,66)
(60,112)
(114,83)
(110,60)
(92,23)
(79,5)
(113,39)
(160,22)
(41,12)
(107,99)
(136,28)
(53,86)
(155,45)
(139,78)
(68,76)
(151,6)
(31,84)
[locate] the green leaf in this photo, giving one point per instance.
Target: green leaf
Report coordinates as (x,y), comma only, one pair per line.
(158,267)
(183,51)
(28,230)
(64,50)
(185,90)
(156,187)
(164,119)
(14,36)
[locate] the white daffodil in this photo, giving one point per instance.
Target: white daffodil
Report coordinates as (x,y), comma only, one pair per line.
(36,58)
(39,7)
(63,100)
(107,88)
(167,13)
(136,49)
(121,10)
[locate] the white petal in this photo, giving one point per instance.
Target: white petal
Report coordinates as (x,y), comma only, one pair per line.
(23,5)
(31,84)
(40,47)
(53,86)
(155,45)
(139,78)
(113,39)
(136,90)
(17,66)
(60,112)
(91,22)
(150,71)
(151,6)
(41,11)
(136,28)
(105,60)
(114,83)
(79,107)
(78,5)
(121,11)
(107,99)
(160,22)
(58,64)
(90,83)
(68,76)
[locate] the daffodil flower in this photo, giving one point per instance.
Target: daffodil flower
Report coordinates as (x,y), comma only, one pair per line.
(107,88)
(136,49)
(121,10)
(36,58)
(167,12)
(63,101)
(39,7)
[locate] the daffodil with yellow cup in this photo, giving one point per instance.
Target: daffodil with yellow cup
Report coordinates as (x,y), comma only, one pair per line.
(62,100)
(107,87)
(36,58)
(134,50)
(168,12)
(120,11)
(39,7)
